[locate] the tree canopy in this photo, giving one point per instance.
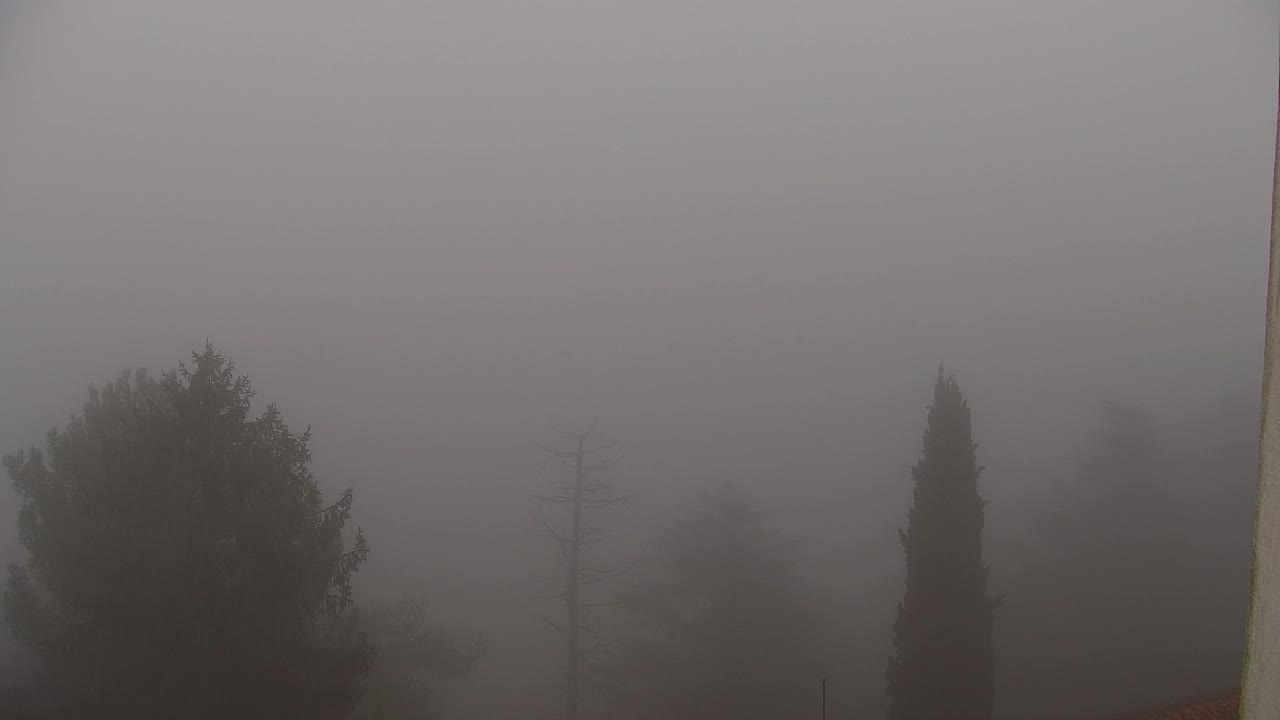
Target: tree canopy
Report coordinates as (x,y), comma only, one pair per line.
(720,626)
(1118,580)
(944,663)
(410,654)
(182,561)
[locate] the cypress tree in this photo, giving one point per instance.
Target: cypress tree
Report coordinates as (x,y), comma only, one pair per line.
(943,667)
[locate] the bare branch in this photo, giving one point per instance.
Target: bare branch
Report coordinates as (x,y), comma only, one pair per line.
(553,498)
(558,453)
(549,533)
(597,504)
(603,466)
(600,645)
(553,624)
(598,448)
(566,433)
(601,578)
(595,575)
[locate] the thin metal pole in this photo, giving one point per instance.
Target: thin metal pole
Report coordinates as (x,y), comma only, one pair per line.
(824,699)
(574,587)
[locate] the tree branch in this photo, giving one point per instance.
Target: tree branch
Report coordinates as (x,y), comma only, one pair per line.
(552,623)
(603,466)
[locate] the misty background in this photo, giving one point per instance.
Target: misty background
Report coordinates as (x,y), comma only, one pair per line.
(742,235)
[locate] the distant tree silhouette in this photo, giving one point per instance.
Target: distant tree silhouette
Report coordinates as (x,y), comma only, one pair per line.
(409,655)
(1122,582)
(581,499)
(943,668)
(719,625)
(181,560)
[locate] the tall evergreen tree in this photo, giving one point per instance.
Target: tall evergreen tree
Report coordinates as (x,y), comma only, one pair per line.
(1119,579)
(720,628)
(182,562)
(944,663)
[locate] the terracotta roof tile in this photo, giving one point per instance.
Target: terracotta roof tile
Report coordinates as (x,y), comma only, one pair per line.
(1226,707)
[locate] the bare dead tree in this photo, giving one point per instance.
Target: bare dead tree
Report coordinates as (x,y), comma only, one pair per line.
(581,500)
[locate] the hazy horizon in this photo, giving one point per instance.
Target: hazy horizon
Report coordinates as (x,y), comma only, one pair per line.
(741,235)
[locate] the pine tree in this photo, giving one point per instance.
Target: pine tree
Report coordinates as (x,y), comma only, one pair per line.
(944,663)
(721,628)
(1118,580)
(182,562)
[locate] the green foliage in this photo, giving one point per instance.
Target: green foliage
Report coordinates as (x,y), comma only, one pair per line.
(720,627)
(409,656)
(181,562)
(944,663)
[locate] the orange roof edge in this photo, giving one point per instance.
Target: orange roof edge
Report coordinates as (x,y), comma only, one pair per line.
(1221,706)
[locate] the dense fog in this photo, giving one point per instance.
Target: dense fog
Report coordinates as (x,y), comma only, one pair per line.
(737,239)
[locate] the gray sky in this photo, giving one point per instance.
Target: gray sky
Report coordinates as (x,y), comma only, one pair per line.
(743,234)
